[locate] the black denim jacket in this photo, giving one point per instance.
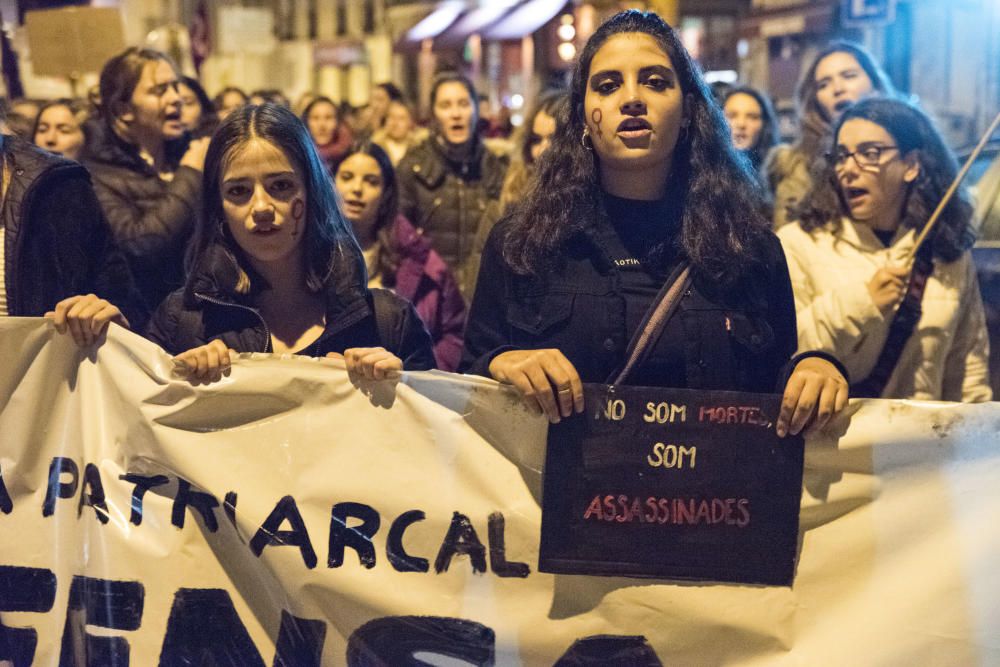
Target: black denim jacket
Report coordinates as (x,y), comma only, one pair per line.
(738,339)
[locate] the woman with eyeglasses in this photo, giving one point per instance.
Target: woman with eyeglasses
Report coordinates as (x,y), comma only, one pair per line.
(840,75)
(851,259)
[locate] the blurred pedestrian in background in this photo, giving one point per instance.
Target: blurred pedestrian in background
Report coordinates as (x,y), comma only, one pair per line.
(372,117)
(548,115)
(446,182)
(332,137)
(146,172)
(228,100)
(840,75)
(197,111)
(753,124)
(59,127)
(397,257)
(57,256)
(399,133)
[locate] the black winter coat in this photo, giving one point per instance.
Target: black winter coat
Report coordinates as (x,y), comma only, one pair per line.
(56,242)
(732,341)
(152,219)
(446,200)
(209,308)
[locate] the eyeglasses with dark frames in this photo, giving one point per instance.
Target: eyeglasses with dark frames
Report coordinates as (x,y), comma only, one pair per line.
(867,156)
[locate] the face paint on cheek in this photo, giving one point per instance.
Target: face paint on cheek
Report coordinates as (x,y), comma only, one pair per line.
(298,210)
(596,117)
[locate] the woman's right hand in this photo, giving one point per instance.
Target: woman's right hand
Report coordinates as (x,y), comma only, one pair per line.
(887,287)
(194,157)
(547,380)
(204,364)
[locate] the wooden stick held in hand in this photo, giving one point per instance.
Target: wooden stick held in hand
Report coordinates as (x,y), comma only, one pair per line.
(953,188)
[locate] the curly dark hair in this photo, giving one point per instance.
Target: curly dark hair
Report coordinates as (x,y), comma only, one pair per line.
(914,133)
(387,258)
(768,137)
(814,123)
(710,187)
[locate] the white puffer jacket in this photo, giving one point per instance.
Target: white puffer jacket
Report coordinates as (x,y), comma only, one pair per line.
(947,356)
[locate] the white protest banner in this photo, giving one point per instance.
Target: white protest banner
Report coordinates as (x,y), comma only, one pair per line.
(286,517)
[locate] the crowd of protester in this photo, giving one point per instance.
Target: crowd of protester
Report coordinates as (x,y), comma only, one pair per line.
(626,235)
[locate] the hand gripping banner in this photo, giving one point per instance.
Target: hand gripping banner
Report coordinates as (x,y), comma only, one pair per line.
(287,516)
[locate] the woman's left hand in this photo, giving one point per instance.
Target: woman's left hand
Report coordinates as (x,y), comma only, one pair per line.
(372,363)
(815,392)
(85,317)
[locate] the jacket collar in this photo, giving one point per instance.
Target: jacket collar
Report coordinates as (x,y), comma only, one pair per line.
(344,288)
(861,236)
(104,145)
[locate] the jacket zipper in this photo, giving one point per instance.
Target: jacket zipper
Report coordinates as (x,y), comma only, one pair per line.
(219,302)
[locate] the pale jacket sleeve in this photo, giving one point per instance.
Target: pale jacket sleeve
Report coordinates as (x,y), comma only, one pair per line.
(967,367)
(841,320)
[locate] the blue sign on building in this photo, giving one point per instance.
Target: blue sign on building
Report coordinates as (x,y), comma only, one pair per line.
(861,13)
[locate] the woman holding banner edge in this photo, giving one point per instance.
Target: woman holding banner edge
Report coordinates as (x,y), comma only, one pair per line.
(639,190)
(274,266)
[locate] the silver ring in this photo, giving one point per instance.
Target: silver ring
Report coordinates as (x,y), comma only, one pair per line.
(566,390)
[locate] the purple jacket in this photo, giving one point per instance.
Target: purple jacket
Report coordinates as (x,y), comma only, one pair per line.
(426,280)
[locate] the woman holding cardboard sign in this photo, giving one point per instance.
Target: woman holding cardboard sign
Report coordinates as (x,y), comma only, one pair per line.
(849,258)
(641,207)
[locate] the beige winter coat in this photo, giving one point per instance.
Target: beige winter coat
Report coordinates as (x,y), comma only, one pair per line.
(788,176)
(946,358)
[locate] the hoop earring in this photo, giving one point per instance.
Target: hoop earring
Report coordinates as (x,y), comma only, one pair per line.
(586,141)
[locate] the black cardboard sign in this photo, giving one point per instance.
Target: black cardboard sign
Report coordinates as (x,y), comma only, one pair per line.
(672,484)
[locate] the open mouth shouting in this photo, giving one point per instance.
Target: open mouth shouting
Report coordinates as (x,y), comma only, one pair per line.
(854,195)
(634,128)
(840,106)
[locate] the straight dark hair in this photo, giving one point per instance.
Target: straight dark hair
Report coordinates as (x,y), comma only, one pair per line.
(768,137)
(328,240)
(710,188)
(913,132)
(444,77)
(209,117)
(387,257)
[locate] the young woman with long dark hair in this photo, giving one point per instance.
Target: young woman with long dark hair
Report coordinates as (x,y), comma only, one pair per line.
(397,257)
(641,179)
(753,123)
(849,257)
(274,266)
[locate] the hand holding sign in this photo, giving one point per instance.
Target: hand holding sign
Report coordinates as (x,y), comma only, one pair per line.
(546,379)
(814,393)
